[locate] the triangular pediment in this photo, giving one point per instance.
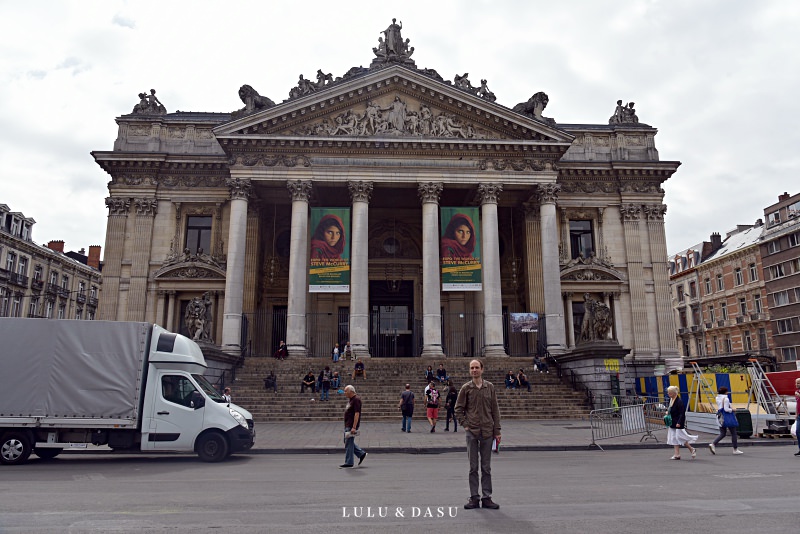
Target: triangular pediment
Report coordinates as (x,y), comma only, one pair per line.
(394,103)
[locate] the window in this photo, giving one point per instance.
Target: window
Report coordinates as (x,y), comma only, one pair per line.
(716,345)
(11,260)
(79,314)
(793,210)
(784,326)
(738,277)
(781,298)
(198,234)
(679,289)
(696,320)
(720,283)
(789,354)
(65,282)
(48,311)
(777,271)
(728,344)
(794,239)
(748,340)
(711,313)
(757,303)
(724,309)
(22,267)
(33,310)
(773,218)
(3,302)
(762,338)
(797,294)
(707,283)
(742,306)
(62,311)
(37,273)
(693,290)
(82,288)
(91,315)
(753,272)
(93,292)
(16,306)
(774,246)
(178,390)
(795,263)
(682,317)
(53,277)
(699,347)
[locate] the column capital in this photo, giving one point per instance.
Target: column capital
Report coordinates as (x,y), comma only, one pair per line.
(567,294)
(429,192)
(299,189)
(240,189)
(548,193)
(530,209)
(489,193)
(630,212)
(655,212)
(118,207)
(360,191)
(145,207)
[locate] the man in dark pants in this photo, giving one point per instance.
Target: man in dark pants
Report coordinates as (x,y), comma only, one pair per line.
(352,418)
(479,415)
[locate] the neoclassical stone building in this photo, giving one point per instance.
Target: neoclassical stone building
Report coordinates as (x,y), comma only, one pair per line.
(223,204)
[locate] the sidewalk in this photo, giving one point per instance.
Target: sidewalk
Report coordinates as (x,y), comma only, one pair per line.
(517,435)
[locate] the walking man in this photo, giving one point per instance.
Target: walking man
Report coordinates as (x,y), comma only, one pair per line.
(479,415)
(352,418)
(407,407)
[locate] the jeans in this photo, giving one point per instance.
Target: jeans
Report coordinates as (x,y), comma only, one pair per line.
(325,389)
(798,427)
(734,436)
(351,449)
(407,423)
(479,448)
(271,384)
(303,387)
(451,414)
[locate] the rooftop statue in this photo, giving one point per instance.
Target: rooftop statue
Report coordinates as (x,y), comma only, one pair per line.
(534,107)
(253,102)
(392,48)
(149,105)
(624,114)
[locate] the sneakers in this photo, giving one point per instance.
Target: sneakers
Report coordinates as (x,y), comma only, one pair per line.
(797,453)
(675,458)
(362,458)
(712,448)
(433,429)
(737,451)
(694,454)
(489,503)
(472,504)
(345,466)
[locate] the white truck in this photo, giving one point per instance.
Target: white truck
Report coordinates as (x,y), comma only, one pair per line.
(127,385)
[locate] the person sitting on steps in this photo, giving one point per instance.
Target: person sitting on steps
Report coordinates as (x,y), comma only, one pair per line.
(271,381)
(511,380)
(309,381)
(522,380)
(359,370)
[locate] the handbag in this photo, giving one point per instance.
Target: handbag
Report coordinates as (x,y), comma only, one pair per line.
(728,419)
(668,420)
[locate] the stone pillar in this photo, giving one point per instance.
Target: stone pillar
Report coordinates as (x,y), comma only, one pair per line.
(140,262)
(551,275)
(490,251)
(569,320)
(112,264)
(617,311)
(656,236)
(253,248)
(631,215)
(160,307)
(431,287)
(533,256)
(171,303)
(360,193)
(300,190)
(234,275)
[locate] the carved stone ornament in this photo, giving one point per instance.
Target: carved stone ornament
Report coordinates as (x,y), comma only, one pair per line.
(597,320)
(145,207)
(548,193)
(655,212)
(392,48)
(624,114)
(514,164)
(490,193)
(191,181)
(253,102)
(630,212)
(463,83)
(149,105)
(199,318)
(193,272)
(640,187)
(134,179)
(118,207)
(429,192)
(588,187)
(175,258)
(360,191)
(240,189)
(299,189)
(258,160)
(534,107)
(396,119)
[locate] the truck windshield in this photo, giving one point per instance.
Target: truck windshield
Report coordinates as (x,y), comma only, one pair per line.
(207,388)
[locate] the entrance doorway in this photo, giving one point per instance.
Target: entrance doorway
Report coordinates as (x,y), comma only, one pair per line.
(392,325)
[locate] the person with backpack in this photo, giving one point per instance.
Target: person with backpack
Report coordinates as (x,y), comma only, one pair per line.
(432,405)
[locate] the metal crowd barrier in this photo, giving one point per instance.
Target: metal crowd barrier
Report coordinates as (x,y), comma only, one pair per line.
(631,415)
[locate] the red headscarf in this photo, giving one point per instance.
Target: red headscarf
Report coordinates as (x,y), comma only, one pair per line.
(449,247)
(319,246)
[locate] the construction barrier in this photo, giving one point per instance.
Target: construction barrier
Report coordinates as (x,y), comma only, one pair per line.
(632,415)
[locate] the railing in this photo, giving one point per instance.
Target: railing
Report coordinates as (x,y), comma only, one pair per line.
(631,415)
(37,284)
(18,279)
(81,298)
(4,273)
(52,288)
(93,301)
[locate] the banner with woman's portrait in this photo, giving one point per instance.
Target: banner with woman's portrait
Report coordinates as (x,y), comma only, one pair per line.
(329,261)
(460,249)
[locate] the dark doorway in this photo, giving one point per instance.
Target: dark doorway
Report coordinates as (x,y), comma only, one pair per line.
(391,319)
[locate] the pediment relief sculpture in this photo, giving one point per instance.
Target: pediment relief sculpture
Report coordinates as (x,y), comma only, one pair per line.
(190,272)
(591,268)
(190,265)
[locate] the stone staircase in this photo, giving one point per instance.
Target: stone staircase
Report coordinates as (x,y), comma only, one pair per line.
(386,379)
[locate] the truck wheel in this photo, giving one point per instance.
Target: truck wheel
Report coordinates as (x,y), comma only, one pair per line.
(46,453)
(212,447)
(15,448)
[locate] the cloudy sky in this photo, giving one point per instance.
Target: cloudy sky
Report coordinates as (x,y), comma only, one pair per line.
(719,79)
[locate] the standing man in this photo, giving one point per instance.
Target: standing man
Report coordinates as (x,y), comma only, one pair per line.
(226,394)
(479,415)
(407,407)
(352,418)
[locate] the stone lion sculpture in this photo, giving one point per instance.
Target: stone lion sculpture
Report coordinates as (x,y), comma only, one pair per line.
(534,107)
(253,102)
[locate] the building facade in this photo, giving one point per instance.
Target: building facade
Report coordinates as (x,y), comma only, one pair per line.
(226,206)
(780,249)
(37,281)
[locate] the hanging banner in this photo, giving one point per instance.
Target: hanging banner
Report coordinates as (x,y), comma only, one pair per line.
(460,249)
(329,263)
(524,322)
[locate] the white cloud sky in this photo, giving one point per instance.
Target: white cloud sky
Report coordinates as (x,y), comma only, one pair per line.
(719,79)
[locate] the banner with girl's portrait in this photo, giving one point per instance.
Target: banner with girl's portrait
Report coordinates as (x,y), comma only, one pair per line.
(329,261)
(460,249)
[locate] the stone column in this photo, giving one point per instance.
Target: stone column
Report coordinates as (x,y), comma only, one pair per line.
(112,264)
(171,302)
(490,251)
(300,190)
(431,287)
(631,215)
(234,275)
(569,319)
(551,275)
(616,309)
(360,193)
(667,341)
(533,256)
(140,262)
(160,307)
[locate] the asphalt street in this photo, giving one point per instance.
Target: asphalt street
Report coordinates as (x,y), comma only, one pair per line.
(617,491)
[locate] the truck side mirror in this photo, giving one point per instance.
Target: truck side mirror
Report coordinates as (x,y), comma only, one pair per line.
(198,401)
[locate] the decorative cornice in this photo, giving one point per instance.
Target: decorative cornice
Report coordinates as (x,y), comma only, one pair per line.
(262,160)
(489,193)
(429,192)
(514,164)
(655,212)
(360,191)
(118,207)
(641,187)
(240,189)
(548,193)
(145,207)
(568,186)
(193,181)
(299,189)
(630,212)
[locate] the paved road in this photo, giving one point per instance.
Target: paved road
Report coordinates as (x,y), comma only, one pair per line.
(617,491)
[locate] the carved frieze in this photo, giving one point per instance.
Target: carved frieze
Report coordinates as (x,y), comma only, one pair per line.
(134,179)
(641,187)
(490,193)
(360,191)
(589,187)
(299,189)
(514,164)
(193,181)
(203,133)
(145,207)
(118,207)
(548,193)
(630,212)
(176,133)
(429,192)
(139,130)
(259,160)
(240,189)
(193,272)
(655,212)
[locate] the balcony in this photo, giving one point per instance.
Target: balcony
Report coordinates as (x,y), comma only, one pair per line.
(37,284)
(93,301)
(18,279)
(758,316)
(51,289)
(4,273)
(683,330)
(63,292)
(709,326)
(740,319)
(81,297)
(695,328)
(721,323)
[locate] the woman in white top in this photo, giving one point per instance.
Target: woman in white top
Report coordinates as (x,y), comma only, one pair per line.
(723,403)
